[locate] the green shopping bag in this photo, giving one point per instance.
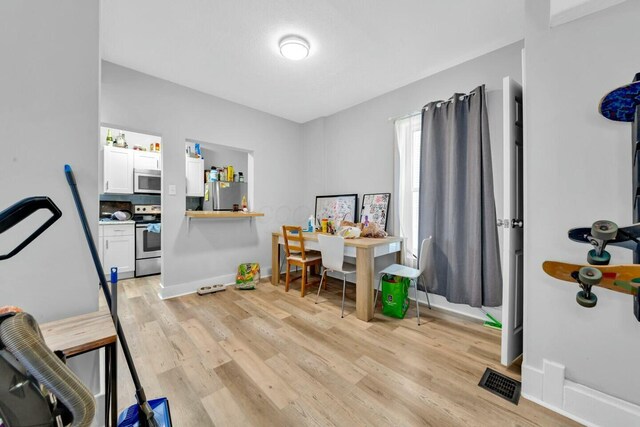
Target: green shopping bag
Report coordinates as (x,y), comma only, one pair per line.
(395,296)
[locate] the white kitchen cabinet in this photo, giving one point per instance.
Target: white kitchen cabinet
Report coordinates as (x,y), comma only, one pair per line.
(148,160)
(117,245)
(118,170)
(195,177)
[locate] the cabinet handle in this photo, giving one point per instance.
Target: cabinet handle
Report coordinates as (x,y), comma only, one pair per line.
(107,242)
(107,189)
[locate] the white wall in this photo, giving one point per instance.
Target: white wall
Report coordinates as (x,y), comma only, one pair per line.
(211,250)
(578,169)
(49,84)
(219,156)
(352,151)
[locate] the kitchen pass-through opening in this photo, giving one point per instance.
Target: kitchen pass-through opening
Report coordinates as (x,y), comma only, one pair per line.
(218,177)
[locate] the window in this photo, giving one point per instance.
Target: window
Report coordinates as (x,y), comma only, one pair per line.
(407,183)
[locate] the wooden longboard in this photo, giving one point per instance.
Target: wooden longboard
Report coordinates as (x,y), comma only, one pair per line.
(610,274)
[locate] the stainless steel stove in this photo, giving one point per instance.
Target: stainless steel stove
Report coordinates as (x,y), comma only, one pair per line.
(148,246)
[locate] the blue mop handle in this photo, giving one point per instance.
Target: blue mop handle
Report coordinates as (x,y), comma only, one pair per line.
(114,297)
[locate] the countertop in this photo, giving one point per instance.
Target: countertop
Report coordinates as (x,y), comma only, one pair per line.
(115,222)
(221,214)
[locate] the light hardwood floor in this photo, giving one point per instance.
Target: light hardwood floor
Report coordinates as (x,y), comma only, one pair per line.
(266,357)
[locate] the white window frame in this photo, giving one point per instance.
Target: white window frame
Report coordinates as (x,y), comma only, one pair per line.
(407,183)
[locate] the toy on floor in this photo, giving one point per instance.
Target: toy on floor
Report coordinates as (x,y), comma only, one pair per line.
(205,290)
(492,323)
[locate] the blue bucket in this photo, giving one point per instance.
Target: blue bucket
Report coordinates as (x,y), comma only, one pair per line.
(130,417)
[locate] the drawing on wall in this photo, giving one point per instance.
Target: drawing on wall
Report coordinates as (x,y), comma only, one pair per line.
(343,207)
(375,208)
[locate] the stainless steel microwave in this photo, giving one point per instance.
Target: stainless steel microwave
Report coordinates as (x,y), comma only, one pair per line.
(147,181)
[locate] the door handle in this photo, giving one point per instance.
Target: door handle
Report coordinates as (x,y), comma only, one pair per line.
(516,223)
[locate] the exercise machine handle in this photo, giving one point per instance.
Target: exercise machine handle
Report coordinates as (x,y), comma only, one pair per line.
(21,210)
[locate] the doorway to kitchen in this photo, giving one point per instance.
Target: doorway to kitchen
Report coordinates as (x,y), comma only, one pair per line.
(130,191)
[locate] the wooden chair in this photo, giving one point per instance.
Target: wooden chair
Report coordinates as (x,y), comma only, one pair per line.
(296,255)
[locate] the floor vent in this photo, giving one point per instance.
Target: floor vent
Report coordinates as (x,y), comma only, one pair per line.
(501,385)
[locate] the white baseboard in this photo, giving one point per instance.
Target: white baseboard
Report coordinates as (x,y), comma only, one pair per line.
(549,388)
(441,302)
(180,289)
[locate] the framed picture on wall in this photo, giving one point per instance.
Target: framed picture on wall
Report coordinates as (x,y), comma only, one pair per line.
(375,208)
(343,207)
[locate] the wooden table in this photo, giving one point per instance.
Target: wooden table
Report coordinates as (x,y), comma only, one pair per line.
(79,334)
(365,250)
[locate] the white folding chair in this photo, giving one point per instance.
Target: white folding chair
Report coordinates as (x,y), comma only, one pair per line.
(410,273)
(332,250)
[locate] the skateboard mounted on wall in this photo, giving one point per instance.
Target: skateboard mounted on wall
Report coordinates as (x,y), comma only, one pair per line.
(618,278)
(621,105)
(627,237)
(601,234)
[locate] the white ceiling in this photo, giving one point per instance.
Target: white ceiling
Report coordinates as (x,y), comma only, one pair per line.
(359,48)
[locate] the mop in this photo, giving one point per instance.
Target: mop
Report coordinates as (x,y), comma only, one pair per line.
(145,413)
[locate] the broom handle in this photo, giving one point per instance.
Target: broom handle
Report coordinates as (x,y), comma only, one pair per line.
(140,395)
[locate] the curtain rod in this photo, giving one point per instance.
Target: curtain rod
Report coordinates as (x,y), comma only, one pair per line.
(416,112)
(405,116)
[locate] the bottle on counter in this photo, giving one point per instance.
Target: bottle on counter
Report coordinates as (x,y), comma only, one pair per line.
(240,177)
(244,203)
(121,141)
(109,138)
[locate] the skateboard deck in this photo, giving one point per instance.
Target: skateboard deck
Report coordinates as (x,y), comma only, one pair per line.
(611,274)
(620,104)
(624,238)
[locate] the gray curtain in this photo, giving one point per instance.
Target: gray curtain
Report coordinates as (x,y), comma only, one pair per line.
(457,205)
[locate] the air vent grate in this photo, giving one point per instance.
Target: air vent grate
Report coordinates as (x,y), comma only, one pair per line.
(501,385)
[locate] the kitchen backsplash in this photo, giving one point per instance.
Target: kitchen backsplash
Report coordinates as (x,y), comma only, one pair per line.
(194,203)
(134,199)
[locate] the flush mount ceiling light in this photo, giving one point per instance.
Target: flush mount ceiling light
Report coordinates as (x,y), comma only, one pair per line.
(294,48)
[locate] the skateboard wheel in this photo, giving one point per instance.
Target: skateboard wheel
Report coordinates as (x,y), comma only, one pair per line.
(604,230)
(594,259)
(582,299)
(589,276)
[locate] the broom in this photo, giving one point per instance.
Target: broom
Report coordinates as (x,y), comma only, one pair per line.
(153,413)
